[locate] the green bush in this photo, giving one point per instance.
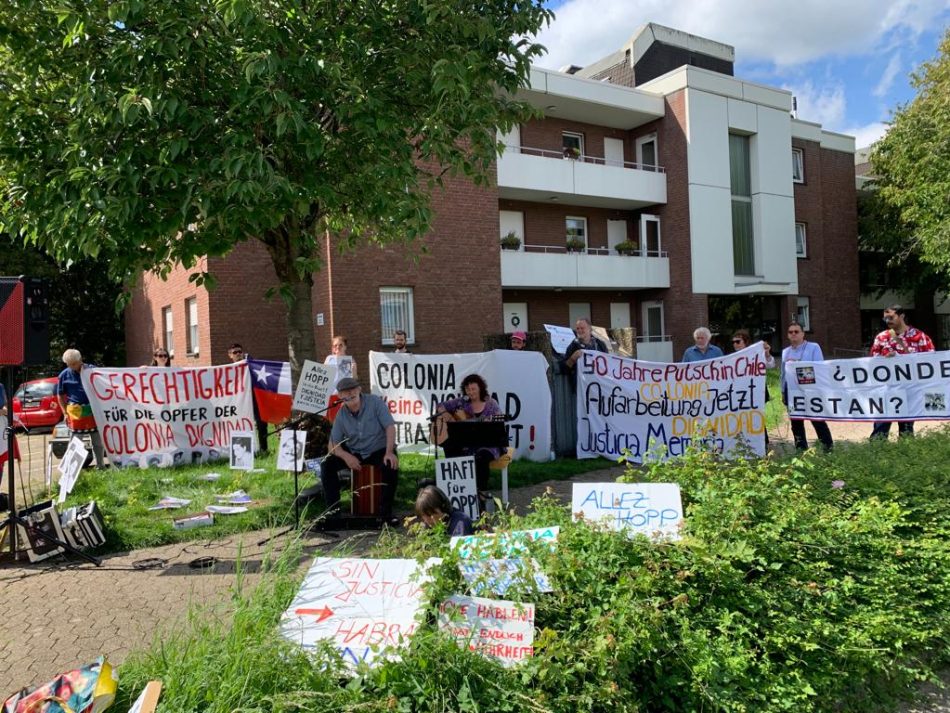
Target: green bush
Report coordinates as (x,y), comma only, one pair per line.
(786,592)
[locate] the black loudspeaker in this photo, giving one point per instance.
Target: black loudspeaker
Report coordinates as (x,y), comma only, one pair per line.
(24,321)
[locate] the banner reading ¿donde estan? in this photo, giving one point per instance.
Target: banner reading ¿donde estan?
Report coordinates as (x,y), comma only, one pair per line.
(906,387)
(627,406)
(163,416)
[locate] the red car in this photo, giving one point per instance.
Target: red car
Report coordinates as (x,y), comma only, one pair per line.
(35,404)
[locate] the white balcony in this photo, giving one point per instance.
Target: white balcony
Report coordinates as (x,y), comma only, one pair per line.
(540,175)
(541,267)
(658,349)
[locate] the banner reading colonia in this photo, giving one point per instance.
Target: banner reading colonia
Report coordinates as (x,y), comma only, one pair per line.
(629,405)
(906,387)
(413,385)
(158,416)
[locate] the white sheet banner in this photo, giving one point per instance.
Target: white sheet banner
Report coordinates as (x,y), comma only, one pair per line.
(638,406)
(907,387)
(413,385)
(157,416)
(365,607)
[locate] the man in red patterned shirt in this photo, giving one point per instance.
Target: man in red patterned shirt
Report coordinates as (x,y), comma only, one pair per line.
(898,338)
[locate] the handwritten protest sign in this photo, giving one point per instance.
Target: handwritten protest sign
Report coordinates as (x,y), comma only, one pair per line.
(365,607)
(503,543)
(626,406)
(317,382)
(561,337)
(155,416)
(495,628)
(487,576)
(456,478)
(907,387)
(652,509)
(412,385)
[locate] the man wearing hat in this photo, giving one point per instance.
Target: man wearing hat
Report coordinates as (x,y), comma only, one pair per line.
(364,433)
(518,338)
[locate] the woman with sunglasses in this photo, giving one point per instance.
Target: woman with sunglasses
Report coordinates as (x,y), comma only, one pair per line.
(160,357)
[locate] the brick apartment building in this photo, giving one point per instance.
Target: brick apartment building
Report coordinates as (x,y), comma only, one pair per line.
(732,213)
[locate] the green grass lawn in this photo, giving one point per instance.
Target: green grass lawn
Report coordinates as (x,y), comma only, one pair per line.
(125,495)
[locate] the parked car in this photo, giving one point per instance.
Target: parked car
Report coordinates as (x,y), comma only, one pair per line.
(35,404)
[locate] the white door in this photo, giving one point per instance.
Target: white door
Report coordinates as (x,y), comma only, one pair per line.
(650,235)
(619,315)
(516,316)
(613,152)
(616,233)
(646,152)
(653,321)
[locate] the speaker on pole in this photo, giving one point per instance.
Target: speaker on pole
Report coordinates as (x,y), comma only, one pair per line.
(24,321)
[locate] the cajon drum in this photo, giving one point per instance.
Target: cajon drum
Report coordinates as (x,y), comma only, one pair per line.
(367,490)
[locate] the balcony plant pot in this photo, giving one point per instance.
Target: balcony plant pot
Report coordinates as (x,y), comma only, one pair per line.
(627,248)
(510,241)
(576,245)
(572,153)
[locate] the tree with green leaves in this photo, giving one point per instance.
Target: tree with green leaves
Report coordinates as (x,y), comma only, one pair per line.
(153,133)
(909,211)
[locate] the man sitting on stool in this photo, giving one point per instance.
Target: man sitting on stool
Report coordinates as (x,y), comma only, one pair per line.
(364,433)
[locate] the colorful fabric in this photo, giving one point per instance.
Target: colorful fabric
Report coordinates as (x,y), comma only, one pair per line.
(83,690)
(79,418)
(70,386)
(272,389)
(911,342)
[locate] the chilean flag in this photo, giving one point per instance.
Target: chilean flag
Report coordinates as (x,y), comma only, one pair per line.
(272,392)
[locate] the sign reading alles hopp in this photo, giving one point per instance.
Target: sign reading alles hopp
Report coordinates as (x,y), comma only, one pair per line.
(625,405)
(155,416)
(413,385)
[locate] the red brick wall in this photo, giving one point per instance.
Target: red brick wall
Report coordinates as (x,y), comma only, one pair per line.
(544,222)
(546,134)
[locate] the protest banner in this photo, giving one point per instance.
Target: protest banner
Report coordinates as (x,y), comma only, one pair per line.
(412,385)
(154,416)
(651,509)
(317,382)
(495,628)
(906,387)
(630,408)
(504,544)
(366,608)
(456,478)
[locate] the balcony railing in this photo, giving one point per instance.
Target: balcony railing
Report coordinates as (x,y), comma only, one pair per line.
(565,155)
(560,249)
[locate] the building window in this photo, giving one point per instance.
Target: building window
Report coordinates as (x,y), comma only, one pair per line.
(647,153)
(168,338)
(572,144)
(650,235)
(801,246)
(191,325)
(396,312)
(798,166)
(740,179)
(803,313)
(653,322)
(576,229)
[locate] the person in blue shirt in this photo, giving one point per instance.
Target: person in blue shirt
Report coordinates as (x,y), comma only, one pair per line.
(75,403)
(702,350)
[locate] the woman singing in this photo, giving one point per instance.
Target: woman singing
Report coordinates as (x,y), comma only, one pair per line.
(475,405)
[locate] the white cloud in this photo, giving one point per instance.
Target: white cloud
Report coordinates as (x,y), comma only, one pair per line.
(887,79)
(866,135)
(825,105)
(777,31)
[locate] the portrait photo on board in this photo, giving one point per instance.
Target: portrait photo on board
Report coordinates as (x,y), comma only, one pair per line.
(290,455)
(242,451)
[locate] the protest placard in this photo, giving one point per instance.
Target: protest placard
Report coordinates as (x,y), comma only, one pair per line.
(290,453)
(561,337)
(456,478)
(906,387)
(503,544)
(630,408)
(169,416)
(413,385)
(72,462)
(497,576)
(242,450)
(317,382)
(365,607)
(495,628)
(651,509)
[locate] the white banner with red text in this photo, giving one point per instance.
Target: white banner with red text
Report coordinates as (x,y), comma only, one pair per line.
(413,385)
(626,406)
(906,387)
(164,416)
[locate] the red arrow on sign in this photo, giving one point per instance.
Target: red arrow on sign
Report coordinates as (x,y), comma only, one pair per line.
(321,614)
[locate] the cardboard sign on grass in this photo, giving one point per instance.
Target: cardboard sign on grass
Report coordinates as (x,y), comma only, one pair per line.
(651,509)
(495,628)
(498,576)
(502,543)
(316,384)
(365,607)
(456,478)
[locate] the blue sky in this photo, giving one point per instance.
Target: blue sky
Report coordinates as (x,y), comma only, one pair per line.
(847,62)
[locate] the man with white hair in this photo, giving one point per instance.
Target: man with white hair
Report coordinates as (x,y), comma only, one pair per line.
(75,403)
(702,350)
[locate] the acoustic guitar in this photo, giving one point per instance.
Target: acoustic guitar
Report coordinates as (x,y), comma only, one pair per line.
(439,430)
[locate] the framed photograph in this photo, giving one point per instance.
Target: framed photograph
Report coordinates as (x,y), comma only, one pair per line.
(290,455)
(242,450)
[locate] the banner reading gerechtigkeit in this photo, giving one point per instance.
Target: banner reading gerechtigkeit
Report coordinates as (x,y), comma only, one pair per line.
(906,387)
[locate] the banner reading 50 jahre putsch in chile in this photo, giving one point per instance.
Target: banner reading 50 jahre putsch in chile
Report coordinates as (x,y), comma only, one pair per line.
(413,385)
(158,416)
(642,407)
(906,387)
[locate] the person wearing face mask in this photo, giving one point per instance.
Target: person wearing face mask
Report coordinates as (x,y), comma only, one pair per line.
(800,349)
(898,338)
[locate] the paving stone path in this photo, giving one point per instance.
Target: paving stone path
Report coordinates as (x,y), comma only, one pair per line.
(58,615)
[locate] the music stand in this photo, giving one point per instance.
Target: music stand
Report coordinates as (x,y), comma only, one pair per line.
(478,434)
